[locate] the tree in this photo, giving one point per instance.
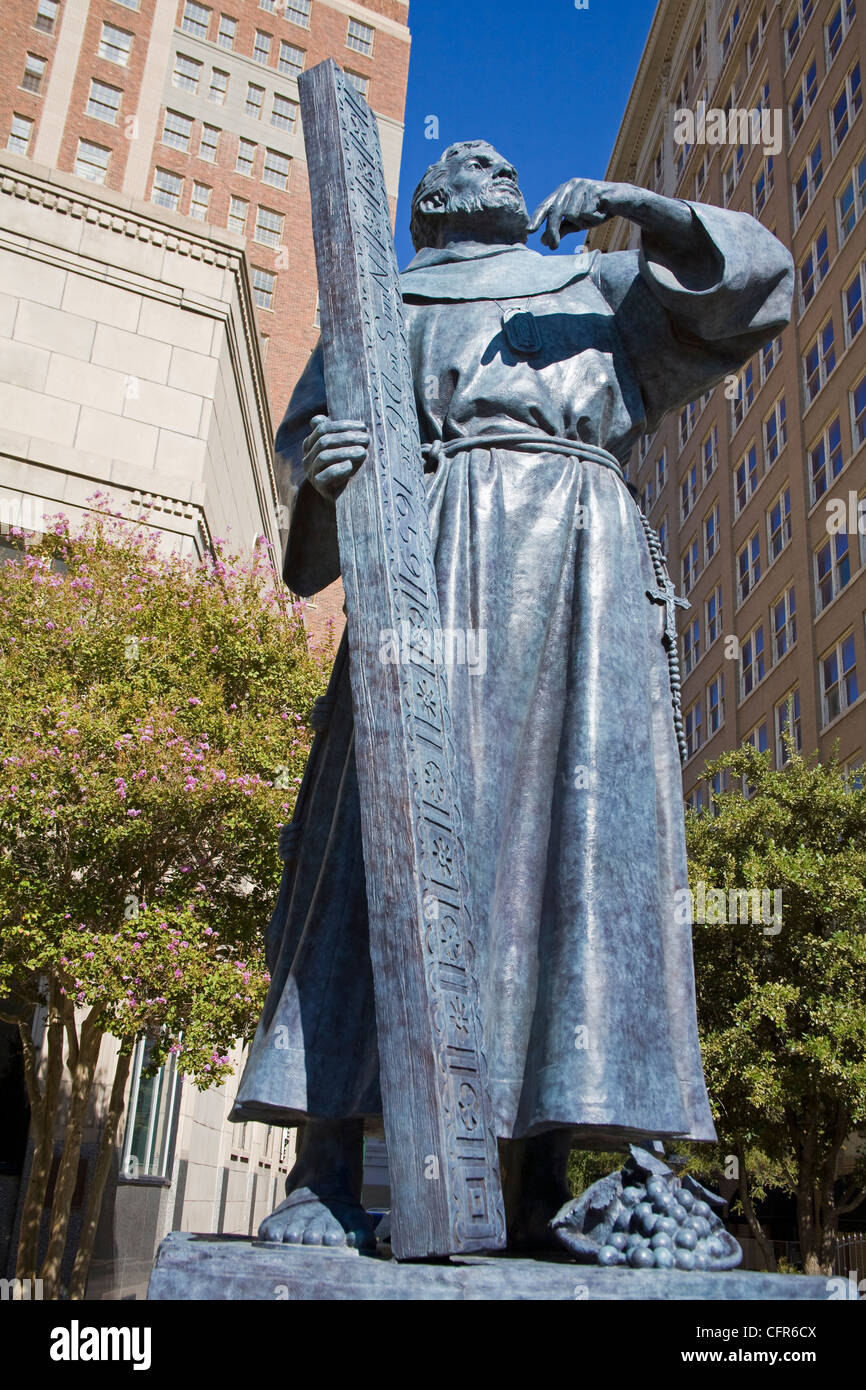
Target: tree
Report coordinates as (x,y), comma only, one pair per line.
(153,737)
(782,1006)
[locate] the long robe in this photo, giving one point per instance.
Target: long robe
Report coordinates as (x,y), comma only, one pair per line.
(569,767)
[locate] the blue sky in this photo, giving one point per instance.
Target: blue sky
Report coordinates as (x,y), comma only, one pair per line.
(543,81)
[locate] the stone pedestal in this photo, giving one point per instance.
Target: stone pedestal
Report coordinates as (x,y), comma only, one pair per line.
(236,1268)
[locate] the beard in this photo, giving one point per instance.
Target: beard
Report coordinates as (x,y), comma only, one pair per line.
(501,210)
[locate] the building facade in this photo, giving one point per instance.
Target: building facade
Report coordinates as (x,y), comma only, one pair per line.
(757,488)
(194,108)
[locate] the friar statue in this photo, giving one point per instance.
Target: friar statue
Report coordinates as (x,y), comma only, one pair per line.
(534,377)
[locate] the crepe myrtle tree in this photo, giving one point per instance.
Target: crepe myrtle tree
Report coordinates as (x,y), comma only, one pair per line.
(782,1013)
(152,738)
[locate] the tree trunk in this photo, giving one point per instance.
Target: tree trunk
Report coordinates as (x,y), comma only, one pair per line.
(765,1245)
(67,1172)
(102,1168)
(43,1106)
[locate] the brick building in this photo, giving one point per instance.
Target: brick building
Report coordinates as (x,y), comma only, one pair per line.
(756,487)
(195,108)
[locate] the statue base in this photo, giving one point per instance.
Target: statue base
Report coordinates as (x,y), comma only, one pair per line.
(236,1268)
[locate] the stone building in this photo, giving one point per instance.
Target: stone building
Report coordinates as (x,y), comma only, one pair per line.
(757,488)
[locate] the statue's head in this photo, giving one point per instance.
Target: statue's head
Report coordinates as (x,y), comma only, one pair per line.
(470,188)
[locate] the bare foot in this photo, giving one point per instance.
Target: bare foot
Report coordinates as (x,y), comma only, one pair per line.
(305,1219)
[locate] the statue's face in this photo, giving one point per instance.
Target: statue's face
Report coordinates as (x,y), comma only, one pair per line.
(482,185)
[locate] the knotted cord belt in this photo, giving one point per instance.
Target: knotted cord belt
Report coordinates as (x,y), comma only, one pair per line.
(537,443)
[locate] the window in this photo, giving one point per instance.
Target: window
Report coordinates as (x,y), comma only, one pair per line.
(150,1125)
(711,533)
(360,37)
(688,415)
(263,287)
(853,300)
(255,97)
(731,173)
(775,432)
(46,15)
(715,705)
(728,33)
(845,107)
(849,203)
(291,59)
(228,28)
(177,130)
(209,142)
(246,157)
(756,38)
(837,28)
(690,564)
(778,525)
(762,186)
(699,52)
(34,71)
(788,726)
(658,173)
(819,361)
(129,4)
(795,26)
(769,356)
(753,666)
(713,615)
(662,532)
(838,679)
(237,221)
(298,12)
(832,569)
(200,201)
(745,478)
(115,45)
(187,73)
(808,181)
(783,616)
(858,413)
(710,453)
(758,737)
(695,799)
(813,268)
(19,135)
(276,169)
(167,188)
(691,643)
(749,565)
(661,471)
(261,47)
(361,84)
(219,85)
(646,497)
(693,731)
(269,227)
(91,161)
(103,102)
(804,98)
(688,490)
(196,19)
(825,459)
(742,401)
(284,113)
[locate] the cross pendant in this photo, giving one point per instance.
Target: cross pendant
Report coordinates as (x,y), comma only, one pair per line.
(667,596)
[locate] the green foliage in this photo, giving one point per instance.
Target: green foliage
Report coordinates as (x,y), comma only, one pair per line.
(153,737)
(783,1016)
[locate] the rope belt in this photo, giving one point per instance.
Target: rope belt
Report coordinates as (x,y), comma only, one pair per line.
(523,440)
(538,443)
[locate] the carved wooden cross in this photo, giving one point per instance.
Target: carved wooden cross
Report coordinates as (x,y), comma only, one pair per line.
(442,1153)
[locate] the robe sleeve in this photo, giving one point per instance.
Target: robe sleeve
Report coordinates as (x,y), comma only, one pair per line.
(687,318)
(312,559)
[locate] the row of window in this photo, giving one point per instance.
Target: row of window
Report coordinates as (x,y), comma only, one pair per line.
(839,688)
(835,28)
(196,20)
